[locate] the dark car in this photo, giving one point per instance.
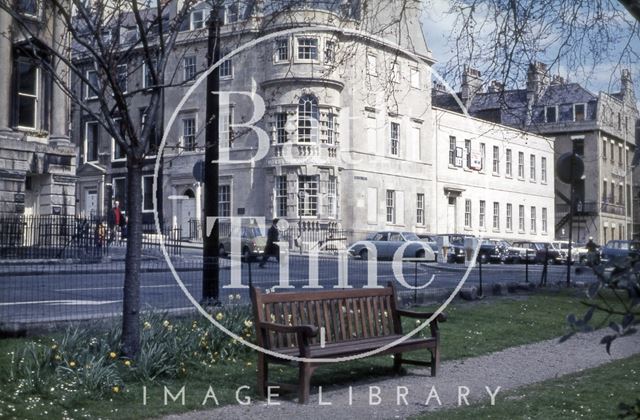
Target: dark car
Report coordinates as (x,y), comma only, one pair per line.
(541,252)
(492,250)
(387,243)
(455,254)
(620,249)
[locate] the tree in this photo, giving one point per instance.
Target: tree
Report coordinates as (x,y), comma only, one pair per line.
(502,37)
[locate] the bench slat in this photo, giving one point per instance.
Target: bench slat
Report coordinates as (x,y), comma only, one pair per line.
(325,294)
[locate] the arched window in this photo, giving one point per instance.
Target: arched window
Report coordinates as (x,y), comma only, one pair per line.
(308,117)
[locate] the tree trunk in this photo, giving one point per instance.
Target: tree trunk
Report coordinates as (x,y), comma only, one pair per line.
(131,291)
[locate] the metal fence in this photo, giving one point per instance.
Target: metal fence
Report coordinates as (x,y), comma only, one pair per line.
(62,237)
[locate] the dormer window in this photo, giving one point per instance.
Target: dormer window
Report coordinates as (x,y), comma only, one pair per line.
(231,13)
(551,114)
(28,7)
(198,19)
(579,112)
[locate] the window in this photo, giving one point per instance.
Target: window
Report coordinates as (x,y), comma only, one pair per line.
(620,156)
(189,66)
(483,156)
(620,195)
(308,119)
(331,128)
(521,218)
(496,215)
(281,124)
(467,150)
(231,13)
(496,160)
(578,147)
(118,151)
(281,196)
(604,191)
(28,93)
(121,76)
(307,48)
(414,75)
(153,143)
(91,139)
(91,87)
(226,123)
(198,19)
(452,150)
(224,200)
(604,149)
(533,220)
(420,209)
(550,114)
(226,69)
(147,193)
(509,163)
(543,169)
(613,192)
(391,206)
(509,217)
(28,7)
(307,195)
(544,220)
(483,210)
(189,134)
(619,122)
(579,112)
(467,213)
(395,71)
(332,195)
(372,65)
(612,156)
(521,165)
(394,138)
(148,75)
(330,52)
(282,49)
(532,167)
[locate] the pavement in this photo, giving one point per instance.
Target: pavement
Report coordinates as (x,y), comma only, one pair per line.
(470,380)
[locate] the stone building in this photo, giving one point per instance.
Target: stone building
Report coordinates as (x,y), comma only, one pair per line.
(37,159)
(598,127)
(492,180)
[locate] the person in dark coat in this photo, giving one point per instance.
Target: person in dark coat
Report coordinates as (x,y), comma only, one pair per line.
(593,257)
(116,221)
(271,248)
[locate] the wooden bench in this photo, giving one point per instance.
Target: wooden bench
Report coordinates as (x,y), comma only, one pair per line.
(354,321)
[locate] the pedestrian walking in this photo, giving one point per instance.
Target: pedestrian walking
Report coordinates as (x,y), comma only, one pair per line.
(593,257)
(115,220)
(271,248)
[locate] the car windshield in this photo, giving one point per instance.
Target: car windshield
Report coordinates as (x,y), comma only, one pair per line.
(252,232)
(410,236)
(624,246)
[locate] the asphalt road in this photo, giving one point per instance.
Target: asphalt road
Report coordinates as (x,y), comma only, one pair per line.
(79,291)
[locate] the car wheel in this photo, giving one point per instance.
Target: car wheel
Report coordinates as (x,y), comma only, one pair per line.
(364,254)
(221,251)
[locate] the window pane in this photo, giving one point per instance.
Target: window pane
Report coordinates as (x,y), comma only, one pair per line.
(147,193)
(26,111)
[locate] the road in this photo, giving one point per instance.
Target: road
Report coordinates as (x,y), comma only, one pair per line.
(78,291)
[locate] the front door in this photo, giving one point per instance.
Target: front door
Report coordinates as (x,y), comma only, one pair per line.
(90,203)
(451,216)
(187,212)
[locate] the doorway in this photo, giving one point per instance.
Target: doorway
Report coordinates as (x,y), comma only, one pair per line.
(451,215)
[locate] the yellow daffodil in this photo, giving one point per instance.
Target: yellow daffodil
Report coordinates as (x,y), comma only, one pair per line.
(248,323)
(115,389)
(127,363)
(112,355)
(219,316)
(72,364)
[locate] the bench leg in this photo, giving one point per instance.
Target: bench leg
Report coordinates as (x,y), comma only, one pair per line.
(397,362)
(435,361)
(304,382)
(263,375)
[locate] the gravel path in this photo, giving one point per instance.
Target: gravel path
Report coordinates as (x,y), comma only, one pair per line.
(510,368)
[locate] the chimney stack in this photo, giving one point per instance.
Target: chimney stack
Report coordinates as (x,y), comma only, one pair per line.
(471,84)
(537,78)
(495,86)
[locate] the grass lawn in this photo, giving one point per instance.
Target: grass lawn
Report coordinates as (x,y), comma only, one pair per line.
(591,394)
(472,329)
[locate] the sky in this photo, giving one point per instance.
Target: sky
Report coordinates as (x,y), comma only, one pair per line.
(437,27)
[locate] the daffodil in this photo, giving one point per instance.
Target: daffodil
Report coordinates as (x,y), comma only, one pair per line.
(112,355)
(146,325)
(127,363)
(248,323)
(72,364)
(115,389)
(219,316)
(166,323)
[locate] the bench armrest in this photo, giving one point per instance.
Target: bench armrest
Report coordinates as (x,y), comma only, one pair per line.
(442,317)
(303,334)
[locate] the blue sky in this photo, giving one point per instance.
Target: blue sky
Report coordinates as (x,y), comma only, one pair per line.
(437,26)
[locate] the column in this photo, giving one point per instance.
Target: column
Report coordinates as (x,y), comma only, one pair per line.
(59,102)
(5,73)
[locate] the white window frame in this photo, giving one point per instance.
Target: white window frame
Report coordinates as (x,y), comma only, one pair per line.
(145,82)
(390,204)
(226,69)
(330,51)
(452,151)
(521,219)
(584,114)
(225,203)
(280,125)
(468,218)
(308,48)
(496,216)
(543,169)
(276,56)
(544,217)
(88,93)
(521,167)
(200,23)
(534,221)
(495,168)
(509,221)
(414,77)
(482,213)
(85,141)
(394,142)
(332,197)
(192,67)
(372,64)
(281,195)
(125,80)
(36,98)
(147,210)
(509,163)
(420,220)
(30,15)
(532,168)
(183,143)
(306,206)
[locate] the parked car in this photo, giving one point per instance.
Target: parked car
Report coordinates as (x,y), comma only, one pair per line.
(387,243)
(431,241)
(252,242)
(492,250)
(455,253)
(618,249)
(541,251)
(578,251)
(519,253)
